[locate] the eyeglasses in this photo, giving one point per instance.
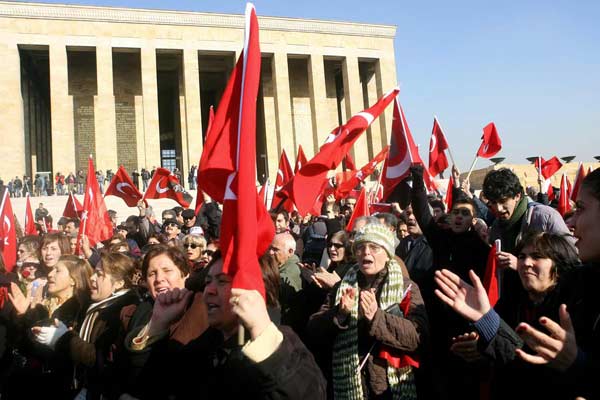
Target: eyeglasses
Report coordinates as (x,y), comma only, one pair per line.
(172,224)
(336,245)
(208,252)
(465,212)
(373,248)
(191,245)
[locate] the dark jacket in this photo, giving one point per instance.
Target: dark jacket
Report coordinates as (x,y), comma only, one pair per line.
(100,360)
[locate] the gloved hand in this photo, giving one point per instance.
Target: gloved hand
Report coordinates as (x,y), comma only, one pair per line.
(49,335)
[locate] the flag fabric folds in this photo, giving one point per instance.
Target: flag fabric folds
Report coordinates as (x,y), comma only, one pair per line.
(490,279)
(95,221)
(30,228)
(8,233)
(491,143)
(284,175)
(448,199)
(548,167)
(227,170)
(300,159)
(437,145)
(349,182)
(361,209)
(349,162)
(164,184)
(73,208)
(122,186)
(564,203)
(577,183)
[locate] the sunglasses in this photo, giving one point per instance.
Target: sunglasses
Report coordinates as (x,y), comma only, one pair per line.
(208,252)
(465,212)
(191,245)
(172,224)
(336,245)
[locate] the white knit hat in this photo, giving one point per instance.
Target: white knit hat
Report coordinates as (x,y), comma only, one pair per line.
(378,234)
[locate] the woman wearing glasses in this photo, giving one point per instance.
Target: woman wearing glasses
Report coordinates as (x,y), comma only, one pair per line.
(373,338)
(194,245)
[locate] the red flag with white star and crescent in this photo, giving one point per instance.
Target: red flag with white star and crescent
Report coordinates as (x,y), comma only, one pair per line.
(122,186)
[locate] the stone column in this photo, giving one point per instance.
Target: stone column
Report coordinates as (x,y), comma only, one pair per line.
(385,77)
(61,106)
(11,123)
(370,92)
(353,97)
(318,96)
(104,110)
(150,106)
(283,107)
(193,116)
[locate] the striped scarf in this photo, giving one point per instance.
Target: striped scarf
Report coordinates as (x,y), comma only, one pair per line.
(346,376)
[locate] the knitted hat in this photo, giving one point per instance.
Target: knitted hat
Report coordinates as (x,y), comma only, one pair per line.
(378,234)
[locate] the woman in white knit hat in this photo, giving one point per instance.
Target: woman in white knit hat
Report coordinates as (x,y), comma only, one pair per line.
(374,337)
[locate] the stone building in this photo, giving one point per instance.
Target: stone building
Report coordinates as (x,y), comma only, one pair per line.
(134,86)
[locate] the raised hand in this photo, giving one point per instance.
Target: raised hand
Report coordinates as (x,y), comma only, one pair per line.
(18,299)
(558,349)
(169,306)
(324,279)
(368,303)
(347,302)
(506,260)
(250,307)
(471,302)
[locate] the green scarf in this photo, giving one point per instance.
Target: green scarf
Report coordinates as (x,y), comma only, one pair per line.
(346,377)
(510,229)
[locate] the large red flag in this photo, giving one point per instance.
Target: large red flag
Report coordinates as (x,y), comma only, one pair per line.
(263,193)
(564,204)
(300,159)
(548,167)
(437,145)
(347,183)
(95,221)
(164,184)
(491,143)
(304,188)
(577,184)
(349,162)
(228,168)
(73,208)
(361,209)
(8,233)
(284,175)
(30,228)
(403,153)
(490,280)
(122,186)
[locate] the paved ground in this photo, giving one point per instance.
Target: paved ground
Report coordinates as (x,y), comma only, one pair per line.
(56,205)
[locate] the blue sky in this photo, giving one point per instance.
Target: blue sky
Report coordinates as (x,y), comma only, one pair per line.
(532,67)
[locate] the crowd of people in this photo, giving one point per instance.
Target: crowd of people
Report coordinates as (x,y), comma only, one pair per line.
(392,307)
(43,185)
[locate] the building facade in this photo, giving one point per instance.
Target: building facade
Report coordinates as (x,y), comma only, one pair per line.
(133,87)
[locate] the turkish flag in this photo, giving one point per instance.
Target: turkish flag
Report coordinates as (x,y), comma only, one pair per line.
(564,204)
(491,143)
(349,163)
(437,145)
(122,186)
(165,185)
(30,228)
(578,179)
(263,193)
(95,221)
(300,159)
(304,188)
(73,208)
(347,183)
(448,200)
(361,209)
(375,208)
(284,175)
(490,279)
(550,191)
(402,154)
(8,233)
(548,167)
(227,170)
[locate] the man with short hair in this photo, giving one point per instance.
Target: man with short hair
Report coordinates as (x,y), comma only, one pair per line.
(281,220)
(72,227)
(189,220)
(282,253)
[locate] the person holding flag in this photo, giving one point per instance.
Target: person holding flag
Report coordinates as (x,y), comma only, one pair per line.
(545,262)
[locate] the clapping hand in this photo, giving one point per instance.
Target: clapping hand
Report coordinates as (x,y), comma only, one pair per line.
(471,302)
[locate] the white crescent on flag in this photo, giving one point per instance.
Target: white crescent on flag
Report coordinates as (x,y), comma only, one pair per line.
(6,227)
(432,143)
(121,185)
(229,195)
(160,189)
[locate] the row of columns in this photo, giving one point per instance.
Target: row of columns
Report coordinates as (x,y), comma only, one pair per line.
(148,138)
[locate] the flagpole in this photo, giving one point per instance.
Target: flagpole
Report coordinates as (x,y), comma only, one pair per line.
(445,138)
(540,172)
(471,169)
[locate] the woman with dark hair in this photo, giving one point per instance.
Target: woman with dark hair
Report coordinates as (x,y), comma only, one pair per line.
(545,263)
(63,308)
